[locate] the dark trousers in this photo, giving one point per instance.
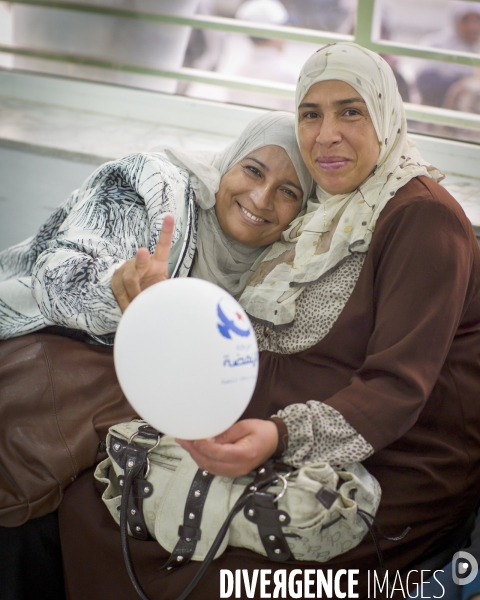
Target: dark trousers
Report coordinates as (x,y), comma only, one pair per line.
(31,561)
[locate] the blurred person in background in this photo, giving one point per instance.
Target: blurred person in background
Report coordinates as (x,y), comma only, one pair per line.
(463,95)
(263,58)
(248,57)
(204,46)
(463,35)
(325,15)
(386,34)
(260,58)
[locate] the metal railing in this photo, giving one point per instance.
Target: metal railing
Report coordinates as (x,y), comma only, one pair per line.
(363,35)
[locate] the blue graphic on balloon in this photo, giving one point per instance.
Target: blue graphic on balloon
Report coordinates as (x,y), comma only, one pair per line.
(233,324)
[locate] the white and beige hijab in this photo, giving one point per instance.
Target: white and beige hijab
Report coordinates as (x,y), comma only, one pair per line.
(308,251)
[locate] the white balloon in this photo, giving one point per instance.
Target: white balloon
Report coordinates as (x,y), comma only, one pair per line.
(186,358)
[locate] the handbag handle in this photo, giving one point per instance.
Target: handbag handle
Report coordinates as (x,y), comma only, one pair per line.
(133,467)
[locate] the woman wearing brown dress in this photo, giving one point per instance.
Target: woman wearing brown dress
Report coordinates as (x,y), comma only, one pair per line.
(367,313)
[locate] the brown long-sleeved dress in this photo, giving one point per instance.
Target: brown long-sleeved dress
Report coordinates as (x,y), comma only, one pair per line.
(401,364)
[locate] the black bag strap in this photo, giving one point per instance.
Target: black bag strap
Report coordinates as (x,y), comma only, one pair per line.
(262,510)
(134,461)
(369,521)
(190,533)
(141,488)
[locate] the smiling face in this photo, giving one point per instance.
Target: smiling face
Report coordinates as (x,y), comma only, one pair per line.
(336,135)
(259,197)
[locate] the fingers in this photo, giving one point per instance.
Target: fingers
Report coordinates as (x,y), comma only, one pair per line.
(142,259)
(133,272)
(249,444)
(144,270)
(229,445)
(162,249)
(234,433)
(125,282)
(119,290)
(220,466)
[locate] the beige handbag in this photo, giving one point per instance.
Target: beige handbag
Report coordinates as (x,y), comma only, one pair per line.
(313,513)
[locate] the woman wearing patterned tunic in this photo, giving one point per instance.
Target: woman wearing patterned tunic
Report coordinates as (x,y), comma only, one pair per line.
(367,314)
(61,277)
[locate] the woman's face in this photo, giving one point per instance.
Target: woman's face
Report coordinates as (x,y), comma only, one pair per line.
(337,138)
(259,197)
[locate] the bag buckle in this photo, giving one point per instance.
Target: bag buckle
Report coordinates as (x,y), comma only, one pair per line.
(141,431)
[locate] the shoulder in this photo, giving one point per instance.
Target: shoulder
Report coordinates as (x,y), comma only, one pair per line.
(424,223)
(422,189)
(428,204)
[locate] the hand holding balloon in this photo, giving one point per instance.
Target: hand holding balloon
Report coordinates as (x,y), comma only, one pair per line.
(243,447)
(139,273)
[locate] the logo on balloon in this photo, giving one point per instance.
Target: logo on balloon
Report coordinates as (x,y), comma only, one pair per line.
(231,321)
(241,361)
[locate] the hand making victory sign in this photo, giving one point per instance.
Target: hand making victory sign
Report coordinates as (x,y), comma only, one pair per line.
(139,273)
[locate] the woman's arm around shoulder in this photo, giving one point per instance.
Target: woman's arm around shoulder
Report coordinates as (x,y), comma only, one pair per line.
(120,209)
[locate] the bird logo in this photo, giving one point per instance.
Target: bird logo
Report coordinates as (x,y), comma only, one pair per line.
(235,322)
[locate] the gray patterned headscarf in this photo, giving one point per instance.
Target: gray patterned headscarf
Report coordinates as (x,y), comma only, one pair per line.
(276,128)
(307,253)
(219,258)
